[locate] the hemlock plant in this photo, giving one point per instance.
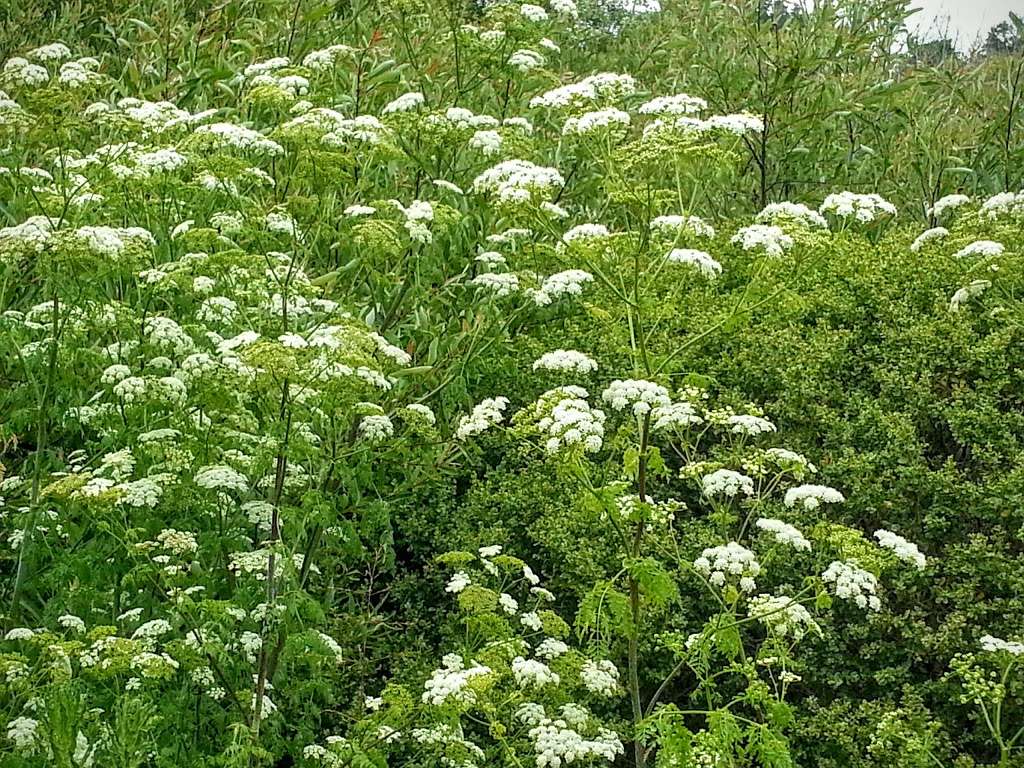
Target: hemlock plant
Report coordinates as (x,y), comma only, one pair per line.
(270,333)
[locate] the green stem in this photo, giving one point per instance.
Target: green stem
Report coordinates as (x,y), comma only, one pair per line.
(42,432)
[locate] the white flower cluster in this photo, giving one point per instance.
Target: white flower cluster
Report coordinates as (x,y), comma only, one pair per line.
(533,13)
(972,290)
(660,513)
(639,395)
(997,644)
(555,743)
(565,8)
(486,142)
(681,415)
(675,224)
(1010,204)
(31,235)
(738,124)
(605,86)
(404,103)
(50,52)
(928,236)
(863,208)
(981,248)
(451,681)
(501,284)
(749,425)
(461,119)
(458,582)
(72,622)
(491,260)
(530,673)
(561,284)
(903,549)
(376,428)
(231,136)
(325,58)
(111,242)
(731,562)
(571,421)
(257,562)
(851,582)
(565,361)
(531,620)
(763,237)
(508,604)
(23,72)
(787,459)
(775,213)
(727,482)
(22,731)
(485,414)
(598,121)
(600,677)
(152,629)
(418,216)
(525,60)
(584,233)
(178,542)
(518,181)
(812,496)
(784,533)
(220,477)
(948,203)
(678,104)
(420,412)
(702,261)
(782,616)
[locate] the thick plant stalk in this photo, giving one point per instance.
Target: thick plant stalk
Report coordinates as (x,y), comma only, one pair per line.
(639,752)
(281,466)
(42,433)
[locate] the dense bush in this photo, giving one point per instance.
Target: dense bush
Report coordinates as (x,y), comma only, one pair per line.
(414,385)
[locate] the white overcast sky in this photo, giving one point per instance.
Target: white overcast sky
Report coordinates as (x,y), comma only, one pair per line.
(966,20)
